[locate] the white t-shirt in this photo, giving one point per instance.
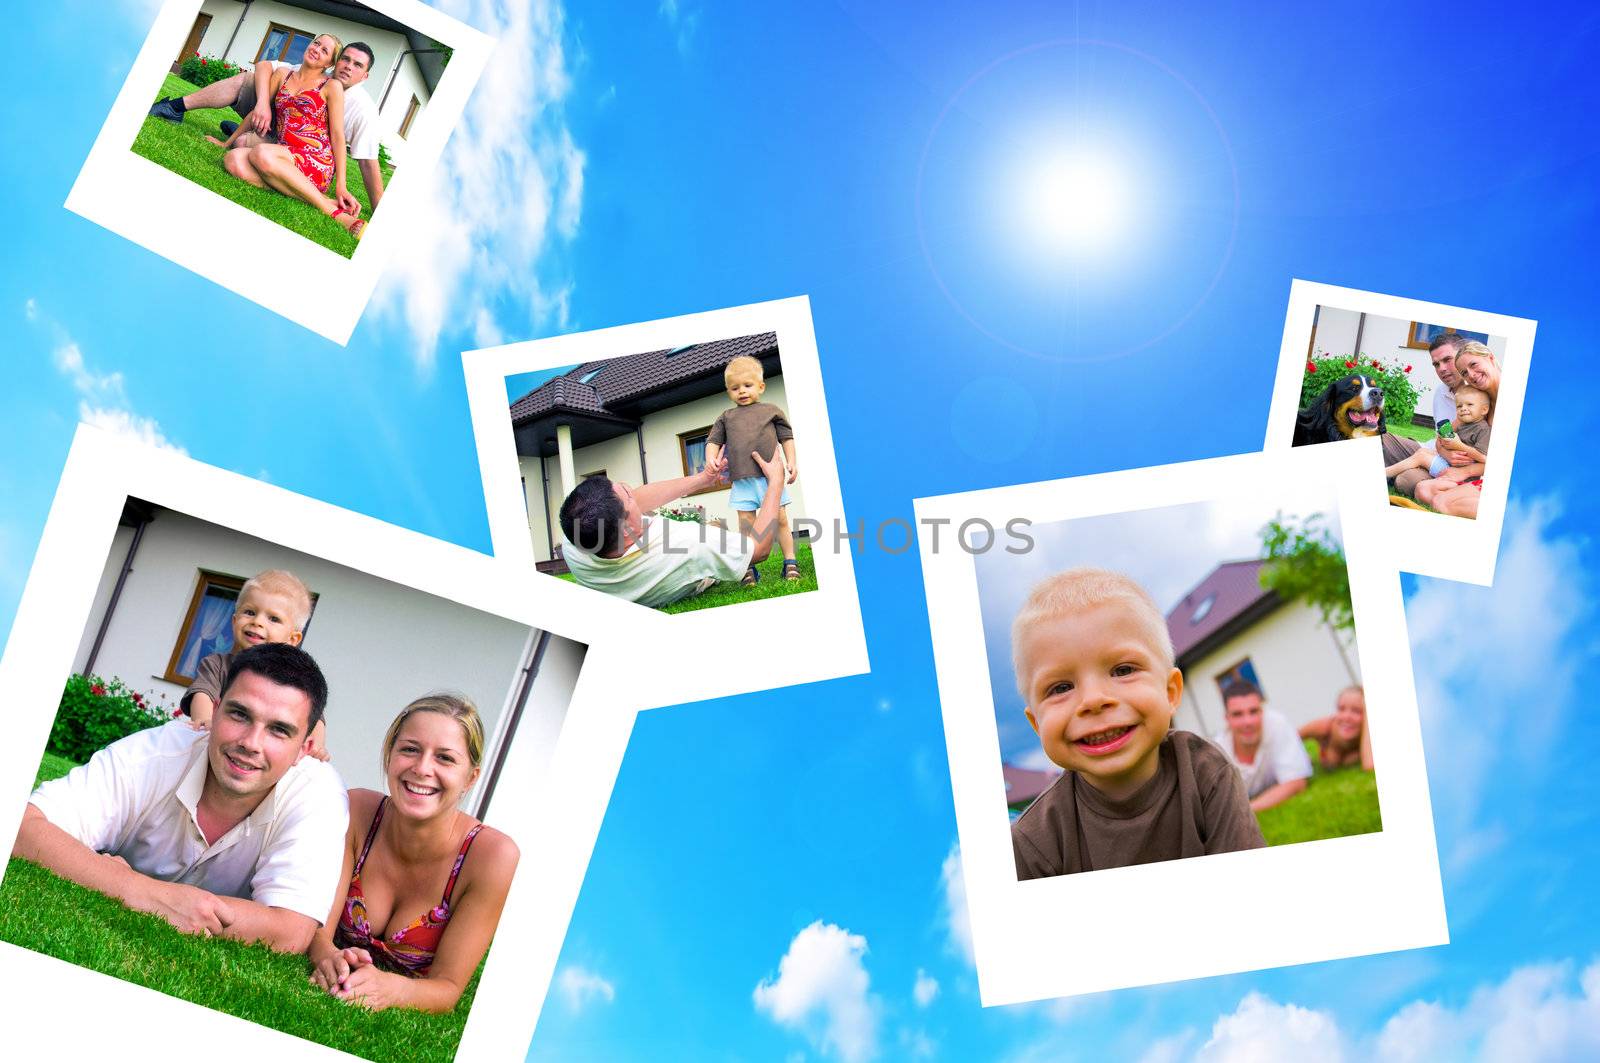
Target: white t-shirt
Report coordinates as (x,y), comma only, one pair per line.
(361,121)
(1444,406)
(136,799)
(1281,757)
(678,556)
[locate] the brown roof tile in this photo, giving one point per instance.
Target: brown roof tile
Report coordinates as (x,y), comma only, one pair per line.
(1234,588)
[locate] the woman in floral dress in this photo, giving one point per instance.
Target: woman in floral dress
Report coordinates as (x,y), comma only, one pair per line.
(309,158)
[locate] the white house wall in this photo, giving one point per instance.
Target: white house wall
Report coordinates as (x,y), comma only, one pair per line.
(387,46)
(1296,659)
(1385,338)
(663,460)
(380,645)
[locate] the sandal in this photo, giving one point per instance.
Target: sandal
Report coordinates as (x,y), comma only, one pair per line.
(357,225)
(750,578)
(791,569)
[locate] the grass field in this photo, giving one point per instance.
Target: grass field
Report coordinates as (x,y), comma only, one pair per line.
(47,914)
(183,150)
(772,584)
(1333,805)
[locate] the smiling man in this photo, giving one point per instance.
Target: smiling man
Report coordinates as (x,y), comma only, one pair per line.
(1263,745)
(232,832)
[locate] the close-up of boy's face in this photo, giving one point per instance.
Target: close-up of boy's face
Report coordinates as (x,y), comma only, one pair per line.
(745,386)
(1099,695)
(261,616)
(1472,405)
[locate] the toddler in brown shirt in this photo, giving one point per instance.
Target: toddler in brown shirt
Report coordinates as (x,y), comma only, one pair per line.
(759,427)
(1095,668)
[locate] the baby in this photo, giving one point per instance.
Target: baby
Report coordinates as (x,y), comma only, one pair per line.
(1094,665)
(753,425)
(1471,427)
(273,606)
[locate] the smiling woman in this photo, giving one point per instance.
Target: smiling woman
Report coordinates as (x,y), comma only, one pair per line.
(417,914)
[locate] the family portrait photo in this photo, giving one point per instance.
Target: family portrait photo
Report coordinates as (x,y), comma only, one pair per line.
(298,110)
(668,478)
(1427,390)
(1177,682)
(269,788)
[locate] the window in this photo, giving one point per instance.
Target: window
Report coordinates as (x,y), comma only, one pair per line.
(588,378)
(679,350)
(1423,333)
(207,627)
(284,44)
(1202,609)
(411,112)
(692,446)
(1244,670)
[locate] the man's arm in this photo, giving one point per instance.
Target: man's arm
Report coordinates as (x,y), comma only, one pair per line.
(651,497)
(281,929)
(765,524)
(191,910)
(372,177)
(1276,795)
(261,114)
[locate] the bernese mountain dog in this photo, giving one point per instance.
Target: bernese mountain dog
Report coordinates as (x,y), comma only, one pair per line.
(1350,408)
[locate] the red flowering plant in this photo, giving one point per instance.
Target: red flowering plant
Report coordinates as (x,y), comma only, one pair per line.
(95,712)
(1394,377)
(201,71)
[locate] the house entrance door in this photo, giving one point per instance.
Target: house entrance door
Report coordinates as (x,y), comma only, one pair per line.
(192,45)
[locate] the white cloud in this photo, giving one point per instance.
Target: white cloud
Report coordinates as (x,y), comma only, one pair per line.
(1262,1031)
(925,989)
(958,927)
(1168,1049)
(1539,610)
(127,424)
(682,18)
(508,187)
(580,987)
(823,991)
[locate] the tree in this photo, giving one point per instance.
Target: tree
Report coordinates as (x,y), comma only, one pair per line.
(1305,561)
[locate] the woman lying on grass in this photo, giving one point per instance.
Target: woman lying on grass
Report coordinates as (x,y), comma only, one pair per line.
(308,118)
(427,882)
(1342,739)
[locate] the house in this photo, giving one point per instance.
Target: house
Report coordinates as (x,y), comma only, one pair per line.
(406,66)
(165,598)
(1023,785)
(1230,627)
(1349,333)
(638,419)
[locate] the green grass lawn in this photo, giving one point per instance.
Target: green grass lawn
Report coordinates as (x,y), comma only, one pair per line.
(183,150)
(47,914)
(1334,804)
(1412,431)
(772,584)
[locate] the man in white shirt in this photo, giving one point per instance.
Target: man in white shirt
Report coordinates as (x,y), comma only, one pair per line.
(610,545)
(232,832)
(246,92)
(1396,448)
(1263,745)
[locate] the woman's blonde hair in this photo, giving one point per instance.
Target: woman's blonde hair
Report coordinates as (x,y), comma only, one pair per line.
(457,707)
(1479,350)
(338,46)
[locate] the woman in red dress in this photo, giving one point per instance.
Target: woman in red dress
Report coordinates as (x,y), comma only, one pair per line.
(309,158)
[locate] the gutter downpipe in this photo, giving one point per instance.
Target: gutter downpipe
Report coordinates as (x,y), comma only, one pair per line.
(529,674)
(116,595)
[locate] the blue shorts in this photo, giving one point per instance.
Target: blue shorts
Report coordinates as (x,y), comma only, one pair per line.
(746,494)
(1437,466)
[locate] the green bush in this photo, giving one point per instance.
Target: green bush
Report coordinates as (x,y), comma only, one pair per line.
(95,712)
(202,70)
(1399,393)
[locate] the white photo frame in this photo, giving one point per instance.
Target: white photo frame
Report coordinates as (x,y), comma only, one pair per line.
(553,812)
(1030,938)
(826,623)
(115,188)
(1429,544)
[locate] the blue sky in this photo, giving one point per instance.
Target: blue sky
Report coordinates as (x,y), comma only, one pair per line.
(773,878)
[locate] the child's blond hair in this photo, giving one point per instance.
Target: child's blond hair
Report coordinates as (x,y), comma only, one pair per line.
(281,581)
(1476,391)
(744,361)
(1079,589)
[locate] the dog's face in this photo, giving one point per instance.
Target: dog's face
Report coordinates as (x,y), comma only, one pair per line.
(1356,403)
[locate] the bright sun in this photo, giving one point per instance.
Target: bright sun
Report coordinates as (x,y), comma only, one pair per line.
(1073,202)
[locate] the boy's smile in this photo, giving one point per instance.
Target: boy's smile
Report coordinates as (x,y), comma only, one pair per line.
(1099,696)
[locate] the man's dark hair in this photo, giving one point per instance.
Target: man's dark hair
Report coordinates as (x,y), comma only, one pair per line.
(592,517)
(1454,339)
(361,46)
(285,665)
(1239,688)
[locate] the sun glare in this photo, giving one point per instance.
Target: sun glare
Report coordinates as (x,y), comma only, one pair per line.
(1073,202)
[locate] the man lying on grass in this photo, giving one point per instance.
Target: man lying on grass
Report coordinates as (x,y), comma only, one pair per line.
(610,544)
(249,94)
(232,832)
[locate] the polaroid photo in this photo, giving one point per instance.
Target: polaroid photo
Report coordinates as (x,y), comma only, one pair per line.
(155,576)
(682,473)
(252,163)
(1155,687)
(1434,383)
